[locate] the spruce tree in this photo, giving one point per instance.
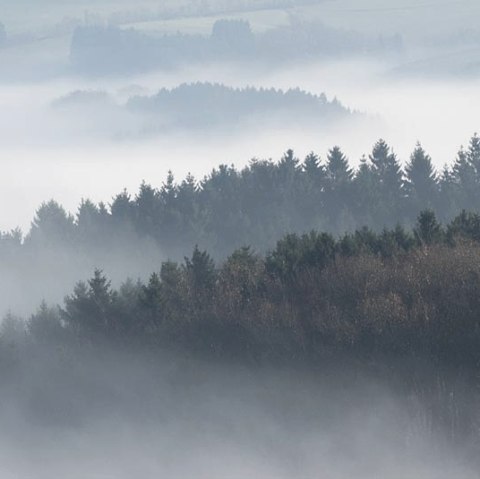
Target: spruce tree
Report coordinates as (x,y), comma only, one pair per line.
(388,182)
(421,182)
(338,191)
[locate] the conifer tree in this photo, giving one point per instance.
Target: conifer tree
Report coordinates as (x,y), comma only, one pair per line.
(421,183)
(338,191)
(388,182)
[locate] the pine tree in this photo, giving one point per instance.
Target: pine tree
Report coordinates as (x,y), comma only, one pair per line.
(421,182)
(465,177)
(45,324)
(338,190)
(123,210)
(51,225)
(339,173)
(427,230)
(147,207)
(388,183)
(313,191)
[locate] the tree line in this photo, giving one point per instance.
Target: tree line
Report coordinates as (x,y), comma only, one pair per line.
(256,205)
(106,50)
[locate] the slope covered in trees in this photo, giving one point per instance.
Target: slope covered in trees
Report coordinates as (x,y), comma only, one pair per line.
(202,105)
(395,292)
(254,206)
(400,305)
(205,106)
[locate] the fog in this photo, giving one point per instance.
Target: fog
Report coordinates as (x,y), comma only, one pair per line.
(67,144)
(121,416)
(98,97)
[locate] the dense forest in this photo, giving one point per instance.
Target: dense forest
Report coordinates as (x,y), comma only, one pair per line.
(256,205)
(99,50)
(395,302)
(395,292)
(239,239)
(402,305)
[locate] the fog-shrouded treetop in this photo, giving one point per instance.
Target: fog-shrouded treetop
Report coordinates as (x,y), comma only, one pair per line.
(230,208)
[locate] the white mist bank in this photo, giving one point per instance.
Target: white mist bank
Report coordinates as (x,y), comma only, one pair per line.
(172,418)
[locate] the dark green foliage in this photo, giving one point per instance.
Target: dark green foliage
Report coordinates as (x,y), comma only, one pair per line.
(466,225)
(428,230)
(294,254)
(91,309)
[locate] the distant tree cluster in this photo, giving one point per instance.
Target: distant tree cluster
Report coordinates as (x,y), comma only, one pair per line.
(254,206)
(202,105)
(111,50)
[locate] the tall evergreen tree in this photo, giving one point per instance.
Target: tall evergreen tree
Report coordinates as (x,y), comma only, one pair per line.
(313,191)
(448,194)
(464,176)
(427,230)
(147,207)
(421,182)
(51,225)
(388,181)
(122,210)
(338,191)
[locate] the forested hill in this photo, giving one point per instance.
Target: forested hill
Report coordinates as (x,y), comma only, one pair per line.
(205,104)
(401,307)
(254,206)
(398,292)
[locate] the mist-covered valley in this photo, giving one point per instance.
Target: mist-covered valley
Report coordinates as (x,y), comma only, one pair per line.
(239,239)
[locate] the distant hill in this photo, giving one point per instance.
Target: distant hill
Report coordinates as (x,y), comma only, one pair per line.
(99,50)
(207,104)
(201,106)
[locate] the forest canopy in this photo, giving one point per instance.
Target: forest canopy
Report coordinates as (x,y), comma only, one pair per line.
(254,206)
